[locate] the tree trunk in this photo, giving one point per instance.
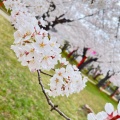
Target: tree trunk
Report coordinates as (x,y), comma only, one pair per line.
(82,61)
(81,66)
(83,56)
(71,53)
(101,82)
(114,92)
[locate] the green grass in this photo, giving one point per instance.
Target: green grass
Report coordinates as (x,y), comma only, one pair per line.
(21,97)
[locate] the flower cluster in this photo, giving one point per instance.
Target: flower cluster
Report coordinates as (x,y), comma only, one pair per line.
(21,12)
(37,52)
(108,114)
(35,48)
(66,81)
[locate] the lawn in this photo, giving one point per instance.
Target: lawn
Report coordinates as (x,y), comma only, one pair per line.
(21,97)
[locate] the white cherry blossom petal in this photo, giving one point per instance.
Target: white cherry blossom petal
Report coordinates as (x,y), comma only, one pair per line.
(91,116)
(109,108)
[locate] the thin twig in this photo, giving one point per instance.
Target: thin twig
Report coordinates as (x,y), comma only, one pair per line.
(53,107)
(118,27)
(46,73)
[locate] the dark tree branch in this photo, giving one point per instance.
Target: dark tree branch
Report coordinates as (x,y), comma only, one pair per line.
(118,27)
(58,19)
(108,76)
(86,16)
(51,8)
(75,55)
(86,63)
(53,107)
(46,73)
(85,51)
(92,1)
(83,56)
(72,53)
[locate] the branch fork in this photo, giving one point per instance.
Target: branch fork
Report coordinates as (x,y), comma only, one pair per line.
(50,103)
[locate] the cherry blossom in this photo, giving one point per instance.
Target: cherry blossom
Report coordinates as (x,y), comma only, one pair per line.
(30,50)
(63,61)
(66,81)
(108,114)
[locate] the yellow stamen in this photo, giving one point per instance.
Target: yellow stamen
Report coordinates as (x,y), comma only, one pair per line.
(42,45)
